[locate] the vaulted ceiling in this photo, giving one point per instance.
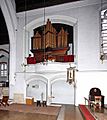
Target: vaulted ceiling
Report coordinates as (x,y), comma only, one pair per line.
(22,5)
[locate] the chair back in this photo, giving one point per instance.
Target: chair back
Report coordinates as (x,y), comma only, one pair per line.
(94,92)
(5,99)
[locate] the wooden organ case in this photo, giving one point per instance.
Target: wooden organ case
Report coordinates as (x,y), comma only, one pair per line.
(51,45)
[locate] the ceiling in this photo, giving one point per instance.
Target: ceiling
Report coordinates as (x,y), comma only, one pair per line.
(22,5)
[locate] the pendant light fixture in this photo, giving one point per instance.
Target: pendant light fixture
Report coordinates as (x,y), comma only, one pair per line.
(71,75)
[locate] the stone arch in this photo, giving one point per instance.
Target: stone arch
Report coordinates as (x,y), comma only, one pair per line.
(54,19)
(4,52)
(36,77)
(60,76)
(11,23)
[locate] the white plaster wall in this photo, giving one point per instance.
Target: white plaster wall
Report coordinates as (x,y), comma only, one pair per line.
(86,19)
(53,79)
(37,89)
(88,39)
(84,16)
(87,80)
(20,45)
(65,94)
(20,85)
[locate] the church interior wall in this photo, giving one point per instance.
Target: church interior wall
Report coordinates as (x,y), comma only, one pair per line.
(87,43)
(90,70)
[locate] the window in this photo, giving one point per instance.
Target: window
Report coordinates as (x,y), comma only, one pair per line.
(3,69)
(103,35)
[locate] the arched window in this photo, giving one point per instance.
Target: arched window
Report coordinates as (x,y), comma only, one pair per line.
(3,69)
(103,35)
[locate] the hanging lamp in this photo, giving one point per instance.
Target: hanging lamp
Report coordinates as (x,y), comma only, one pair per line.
(71,75)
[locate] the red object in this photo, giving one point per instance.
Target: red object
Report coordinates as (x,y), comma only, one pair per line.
(68,58)
(86,113)
(31,60)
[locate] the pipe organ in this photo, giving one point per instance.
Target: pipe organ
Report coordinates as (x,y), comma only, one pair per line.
(50,44)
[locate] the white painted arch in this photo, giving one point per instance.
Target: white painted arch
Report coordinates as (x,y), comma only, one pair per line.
(54,19)
(58,77)
(11,23)
(36,77)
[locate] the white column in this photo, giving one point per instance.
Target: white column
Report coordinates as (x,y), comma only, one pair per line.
(49,99)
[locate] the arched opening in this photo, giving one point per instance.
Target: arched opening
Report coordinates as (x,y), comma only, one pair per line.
(11,26)
(4,54)
(53,40)
(60,20)
(36,87)
(62,95)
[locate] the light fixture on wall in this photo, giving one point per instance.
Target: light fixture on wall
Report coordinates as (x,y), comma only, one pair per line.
(71,75)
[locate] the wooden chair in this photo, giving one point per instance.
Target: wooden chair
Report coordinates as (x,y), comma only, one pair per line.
(4,101)
(96,92)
